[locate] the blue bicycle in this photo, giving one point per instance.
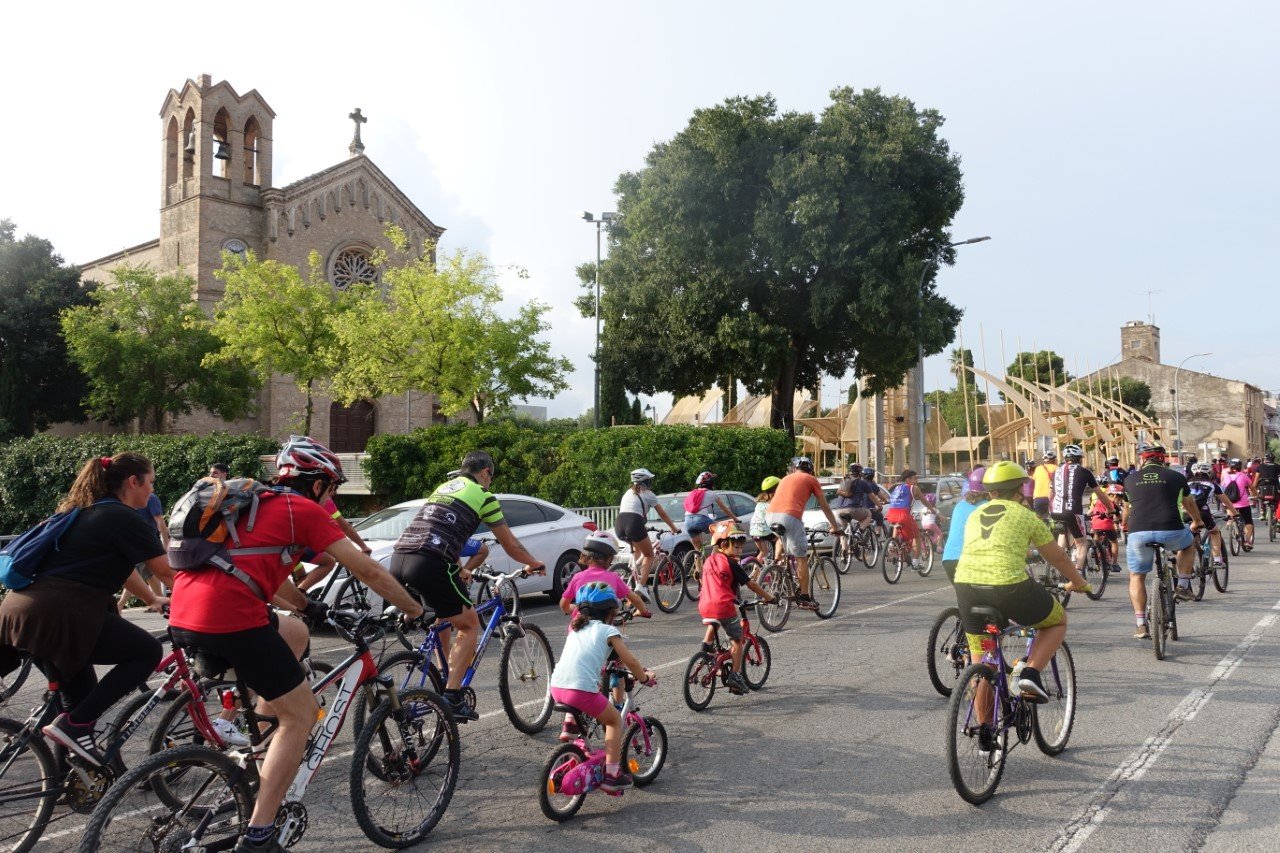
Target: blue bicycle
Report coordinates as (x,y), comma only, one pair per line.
(526,663)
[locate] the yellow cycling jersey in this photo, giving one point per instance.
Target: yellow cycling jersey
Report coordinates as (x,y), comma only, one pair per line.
(1042,477)
(996,539)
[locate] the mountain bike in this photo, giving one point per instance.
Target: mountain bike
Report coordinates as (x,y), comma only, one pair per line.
(707,668)
(524,670)
(403,770)
(779,578)
(1097,563)
(1269,507)
(668,581)
(1162,603)
(859,544)
(985,718)
(897,554)
(1234,534)
(575,769)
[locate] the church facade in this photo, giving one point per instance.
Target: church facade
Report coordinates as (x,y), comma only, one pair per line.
(217,195)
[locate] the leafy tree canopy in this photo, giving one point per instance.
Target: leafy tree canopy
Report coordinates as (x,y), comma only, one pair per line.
(1045,366)
(39,384)
(1124,389)
(142,343)
(773,247)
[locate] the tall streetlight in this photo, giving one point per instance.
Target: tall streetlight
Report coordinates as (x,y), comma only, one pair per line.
(605,216)
(917,440)
(1177,405)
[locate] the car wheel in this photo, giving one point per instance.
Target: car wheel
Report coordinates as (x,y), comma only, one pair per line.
(566,566)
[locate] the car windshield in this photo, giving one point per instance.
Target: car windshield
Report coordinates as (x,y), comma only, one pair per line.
(812,503)
(387,524)
(674,506)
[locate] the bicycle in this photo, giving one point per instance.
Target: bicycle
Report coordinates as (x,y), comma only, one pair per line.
(1203,565)
(525,666)
(576,769)
(779,578)
(707,668)
(195,797)
(1097,563)
(1162,602)
(1234,534)
(897,554)
(667,579)
(948,650)
(863,545)
(1269,507)
(927,544)
(977,747)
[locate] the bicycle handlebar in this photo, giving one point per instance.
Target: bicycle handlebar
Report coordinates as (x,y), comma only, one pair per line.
(499,577)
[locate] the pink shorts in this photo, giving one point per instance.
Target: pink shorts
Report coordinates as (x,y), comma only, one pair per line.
(589,702)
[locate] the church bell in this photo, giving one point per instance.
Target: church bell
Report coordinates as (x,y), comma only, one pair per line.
(190,148)
(221,152)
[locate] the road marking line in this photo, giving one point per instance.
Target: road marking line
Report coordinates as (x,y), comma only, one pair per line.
(1077,832)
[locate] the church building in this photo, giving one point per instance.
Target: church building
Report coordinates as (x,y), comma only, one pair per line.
(216,195)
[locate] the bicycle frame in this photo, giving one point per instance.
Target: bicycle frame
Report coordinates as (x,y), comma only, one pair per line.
(432,650)
(586,777)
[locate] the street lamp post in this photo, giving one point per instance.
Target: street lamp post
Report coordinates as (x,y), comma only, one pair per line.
(917,440)
(605,216)
(1177,405)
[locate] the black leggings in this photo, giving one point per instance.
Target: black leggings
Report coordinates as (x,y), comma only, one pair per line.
(135,654)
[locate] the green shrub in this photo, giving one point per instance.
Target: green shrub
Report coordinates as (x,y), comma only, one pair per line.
(35,473)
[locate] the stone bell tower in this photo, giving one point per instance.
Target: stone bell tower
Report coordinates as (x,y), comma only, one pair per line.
(216,161)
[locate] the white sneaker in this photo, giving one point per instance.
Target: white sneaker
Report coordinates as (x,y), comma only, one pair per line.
(228,731)
(915,564)
(643,592)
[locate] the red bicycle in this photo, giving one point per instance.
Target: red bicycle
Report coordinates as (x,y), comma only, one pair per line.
(706,668)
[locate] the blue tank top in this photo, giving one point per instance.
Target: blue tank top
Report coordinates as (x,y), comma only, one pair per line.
(900,497)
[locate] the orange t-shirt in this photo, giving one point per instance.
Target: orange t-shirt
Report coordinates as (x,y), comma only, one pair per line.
(793,493)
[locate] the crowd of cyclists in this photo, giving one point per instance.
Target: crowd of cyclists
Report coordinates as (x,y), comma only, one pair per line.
(67,622)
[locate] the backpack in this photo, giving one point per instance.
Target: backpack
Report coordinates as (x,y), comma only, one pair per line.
(693,500)
(845,489)
(1232,490)
(20,559)
(204,520)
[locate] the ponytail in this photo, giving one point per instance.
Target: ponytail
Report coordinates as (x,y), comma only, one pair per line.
(103,476)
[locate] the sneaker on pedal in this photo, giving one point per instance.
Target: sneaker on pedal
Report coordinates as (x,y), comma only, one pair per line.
(1114,568)
(271,845)
(78,739)
(229,732)
(709,648)
(1141,633)
(570,732)
(987,742)
(1184,593)
(1218,564)
(1029,685)
(643,592)
(737,686)
(619,781)
(806,602)
(461,711)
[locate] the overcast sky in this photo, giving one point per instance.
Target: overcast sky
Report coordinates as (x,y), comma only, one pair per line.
(1108,149)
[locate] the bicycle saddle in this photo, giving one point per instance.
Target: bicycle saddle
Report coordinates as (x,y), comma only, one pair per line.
(566,709)
(780,529)
(988,614)
(208,665)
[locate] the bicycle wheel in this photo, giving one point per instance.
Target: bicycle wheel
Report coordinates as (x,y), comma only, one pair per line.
(926,555)
(692,574)
(824,586)
(871,548)
(28,782)
(1053,720)
(1237,539)
(894,561)
(843,555)
(648,754)
(700,680)
(12,683)
(554,805)
(406,670)
(1271,526)
(1155,621)
(1171,608)
(774,615)
(527,661)
(975,772)
(1200,576)
(507,592)
(352,595)
(948,653)
(1096,572)
(214,804)
(757,660)
(404,769)
(668,584)
(1221,574)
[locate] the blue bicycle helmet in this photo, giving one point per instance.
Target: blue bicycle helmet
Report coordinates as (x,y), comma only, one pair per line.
(595,599)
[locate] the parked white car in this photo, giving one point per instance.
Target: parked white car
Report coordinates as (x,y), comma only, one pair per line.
(678,545)
(551,533)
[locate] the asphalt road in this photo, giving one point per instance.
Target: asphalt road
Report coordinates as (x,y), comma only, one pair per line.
(843,749)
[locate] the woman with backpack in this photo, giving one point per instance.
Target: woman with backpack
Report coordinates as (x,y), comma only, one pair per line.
(66,619)
(700,509)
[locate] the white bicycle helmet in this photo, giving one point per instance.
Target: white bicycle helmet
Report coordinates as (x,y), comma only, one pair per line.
(1202,468)
(1072,451)
(600,542)
(706,478)
(301,456)
(641,475)
(802,463)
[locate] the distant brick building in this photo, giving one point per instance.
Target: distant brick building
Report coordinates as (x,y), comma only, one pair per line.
(216,194)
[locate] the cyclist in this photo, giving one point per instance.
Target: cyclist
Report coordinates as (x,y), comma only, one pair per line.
(1068,507)
(882,498)
(993,571)
(576,679)
(787,509)
(220,614)
(1266,483)
(766,540)
(66,619)
(1155,491)
(1102,524)
(1114,473)
(721,578)
(855,498)
(1204,490)
(633,512)
(975,496)
(425,559)
(699,509)
(902,497)
(1043,478)
(1236,480)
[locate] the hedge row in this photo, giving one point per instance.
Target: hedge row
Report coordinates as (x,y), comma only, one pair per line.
(577,467)
(36,472)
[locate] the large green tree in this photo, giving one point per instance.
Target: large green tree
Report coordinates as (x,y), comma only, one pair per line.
(1045,366)
(773,247)
(437,329)
(1124,389)
(39,384)
(143,342)
(273,319)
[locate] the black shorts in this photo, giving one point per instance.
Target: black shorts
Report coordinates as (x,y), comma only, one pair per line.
(1207,517)
(853,513)
(1246,514)
(1040,506)
(629,527)
(1072,523)
(1108,535)
(434,578)
(1027,603)
(260,657)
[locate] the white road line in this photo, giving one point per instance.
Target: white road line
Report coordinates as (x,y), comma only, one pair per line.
(1077,832)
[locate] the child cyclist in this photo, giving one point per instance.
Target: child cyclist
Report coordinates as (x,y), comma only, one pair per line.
(767,541)
(1102,523)
(721,578)
(576,679)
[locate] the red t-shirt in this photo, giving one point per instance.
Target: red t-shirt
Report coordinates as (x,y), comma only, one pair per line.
(721,578)
(212,602)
